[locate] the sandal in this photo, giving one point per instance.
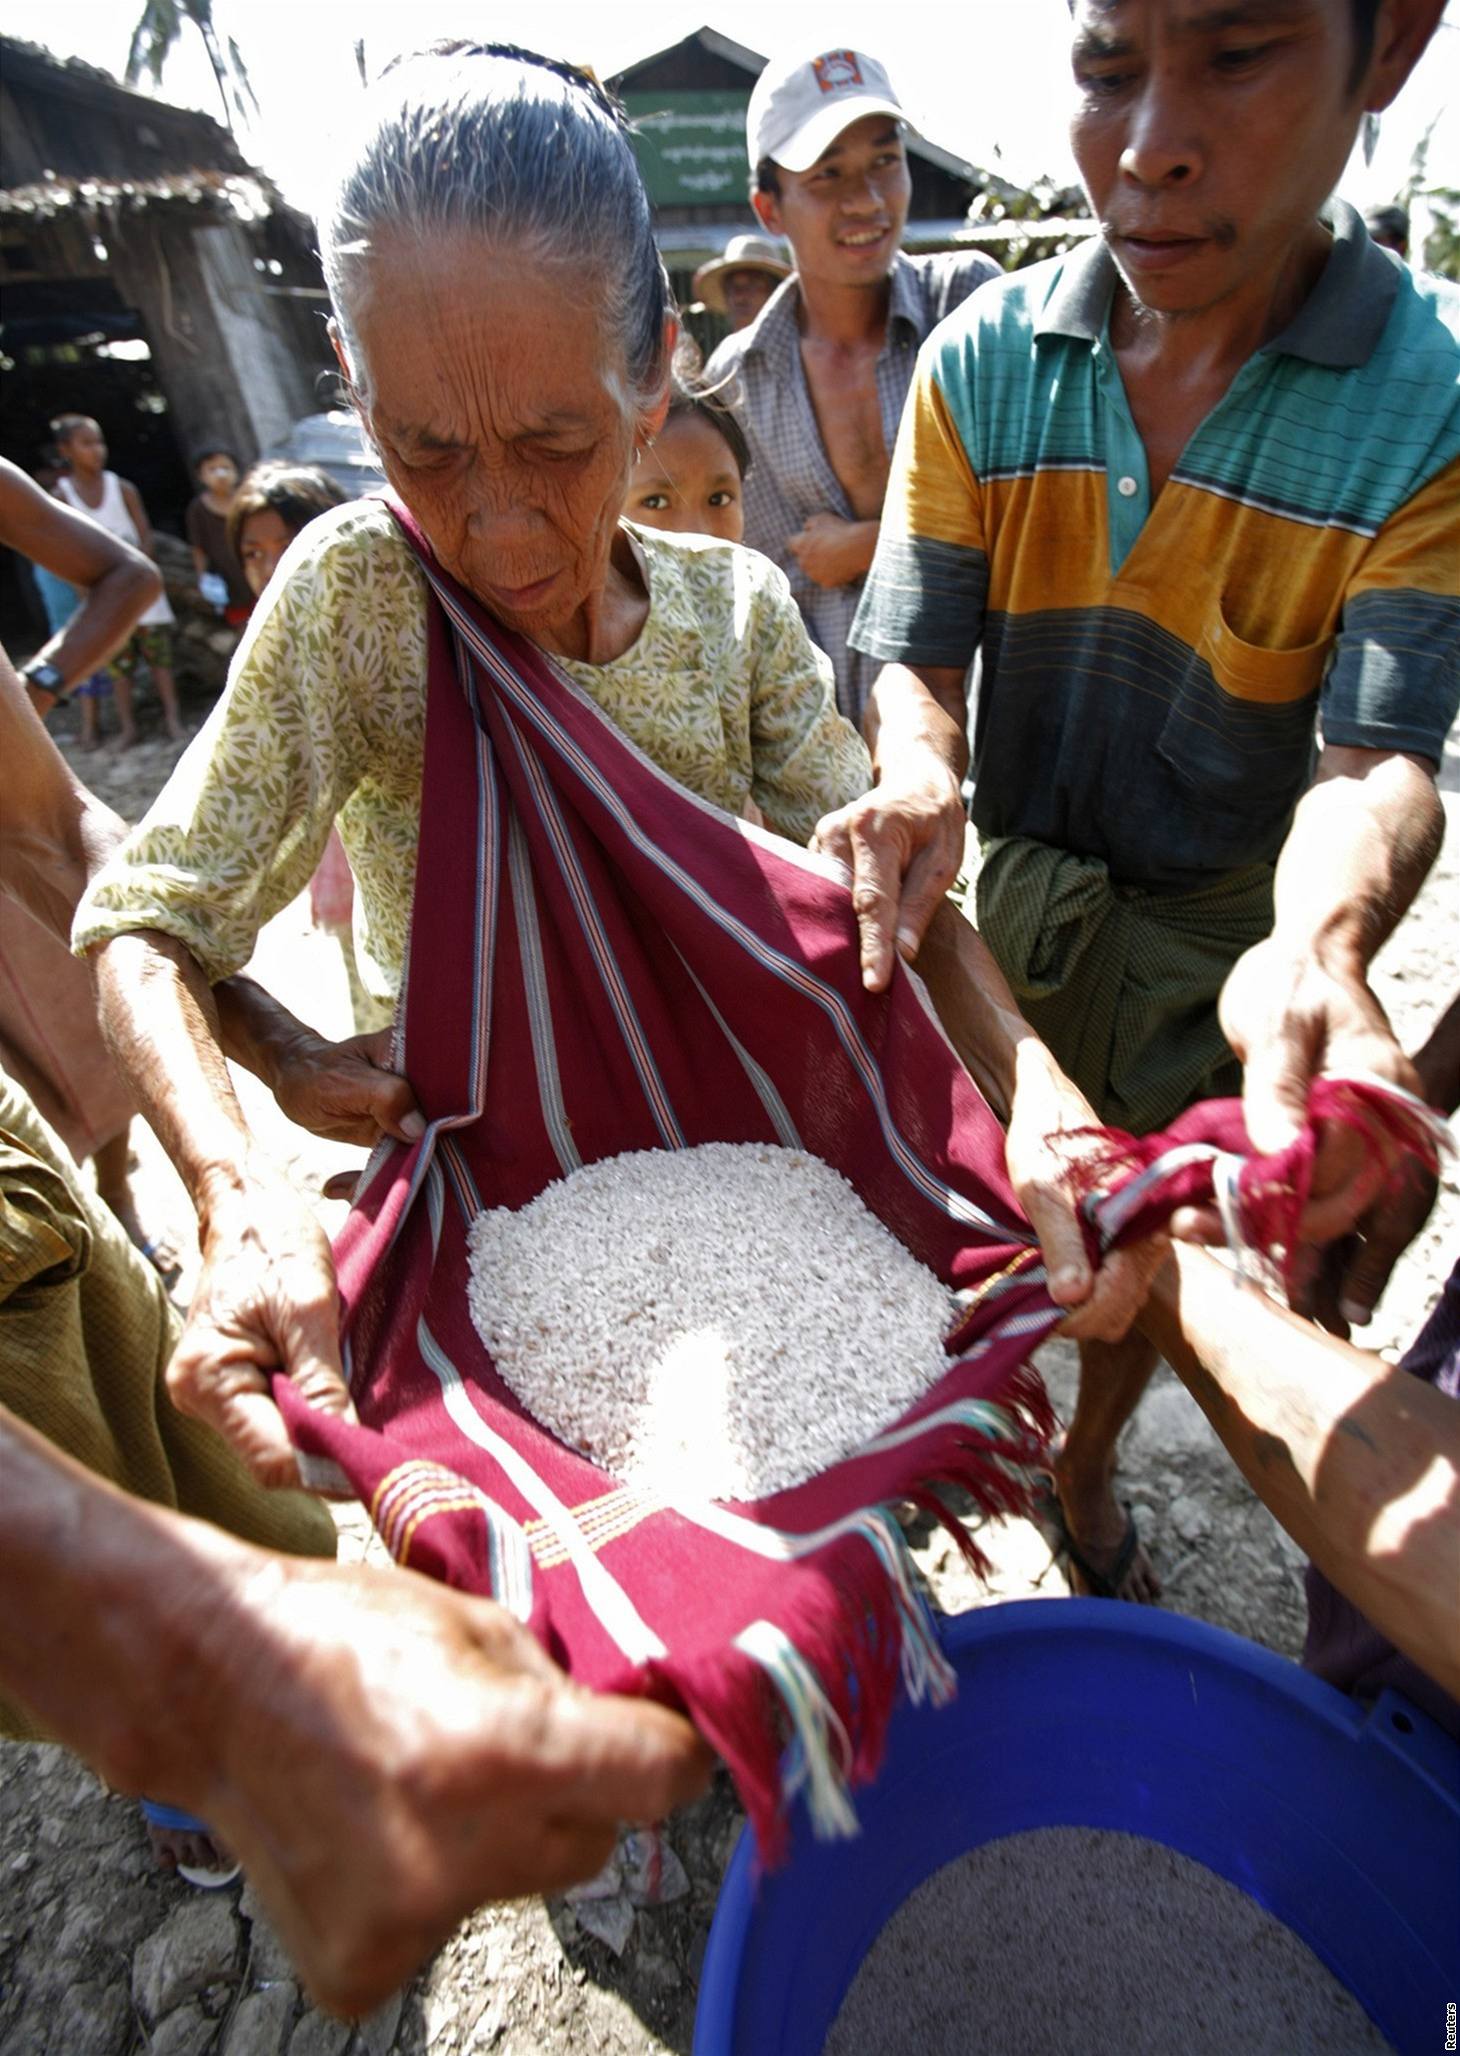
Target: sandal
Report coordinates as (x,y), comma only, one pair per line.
(1048,1516)
(157,1815)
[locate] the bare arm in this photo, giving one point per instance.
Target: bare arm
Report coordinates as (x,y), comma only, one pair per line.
(55,836)
(1348,1278)
(1358,1460)
(383,1754)
(904,844)
(117,583)
(266,1296)
(1438,1062)
(138,512)
(53,832)
(918,711)
(163,1027)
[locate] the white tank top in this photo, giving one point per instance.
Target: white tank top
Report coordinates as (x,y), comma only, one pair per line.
(112,515)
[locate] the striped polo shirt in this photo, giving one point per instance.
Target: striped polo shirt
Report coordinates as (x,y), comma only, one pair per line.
(1152,673)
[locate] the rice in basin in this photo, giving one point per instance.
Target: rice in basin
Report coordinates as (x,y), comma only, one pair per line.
(721,1322)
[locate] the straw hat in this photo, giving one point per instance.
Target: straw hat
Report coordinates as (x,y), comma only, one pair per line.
(742,253)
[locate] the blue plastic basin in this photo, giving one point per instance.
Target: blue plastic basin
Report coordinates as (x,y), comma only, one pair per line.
(1343,1821)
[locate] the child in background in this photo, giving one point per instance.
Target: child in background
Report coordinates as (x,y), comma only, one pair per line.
(690,480)
(206,522)
(274,502)
(116,505)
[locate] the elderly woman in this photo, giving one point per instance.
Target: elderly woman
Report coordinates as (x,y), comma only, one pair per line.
(503,320)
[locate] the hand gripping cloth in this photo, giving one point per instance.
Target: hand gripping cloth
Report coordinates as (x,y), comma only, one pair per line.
(601,962)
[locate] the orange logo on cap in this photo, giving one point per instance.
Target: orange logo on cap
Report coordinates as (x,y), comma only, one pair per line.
(836,69)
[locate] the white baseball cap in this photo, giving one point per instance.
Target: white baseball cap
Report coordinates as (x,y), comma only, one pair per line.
(798,110)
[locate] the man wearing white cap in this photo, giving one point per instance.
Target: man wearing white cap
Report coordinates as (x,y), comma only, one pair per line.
(739,283)
(821,375)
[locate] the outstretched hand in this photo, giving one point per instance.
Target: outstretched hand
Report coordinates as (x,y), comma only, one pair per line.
(384,1754)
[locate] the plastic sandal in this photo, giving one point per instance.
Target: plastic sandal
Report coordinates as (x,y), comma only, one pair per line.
(159,1816)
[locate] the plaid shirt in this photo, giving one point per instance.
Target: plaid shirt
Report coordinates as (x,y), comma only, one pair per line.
(790,474)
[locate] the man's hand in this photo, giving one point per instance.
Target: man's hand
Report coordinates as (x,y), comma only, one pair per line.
(1339,1285)
(1043,1148)
(344,1090)
(832,551)
(903,843)
(1046,1120)
(383,1754)
(1347,1280)
(1288,1016)
(1362,839)
(265,1301)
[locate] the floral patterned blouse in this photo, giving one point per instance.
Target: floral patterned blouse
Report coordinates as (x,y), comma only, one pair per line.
(325,717)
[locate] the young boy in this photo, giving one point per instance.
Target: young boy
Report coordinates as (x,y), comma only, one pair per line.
(206,521)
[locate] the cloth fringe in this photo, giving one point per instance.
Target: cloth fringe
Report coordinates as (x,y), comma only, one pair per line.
(1135,1183)
(815,1723)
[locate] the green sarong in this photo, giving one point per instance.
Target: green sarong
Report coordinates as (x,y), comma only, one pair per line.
(1120,982)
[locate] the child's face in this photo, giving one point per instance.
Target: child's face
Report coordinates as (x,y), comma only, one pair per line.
(687,483)
(262,541)
(85,449)
(218,475)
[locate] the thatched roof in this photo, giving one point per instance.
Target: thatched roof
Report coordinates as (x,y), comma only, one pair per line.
(71,137)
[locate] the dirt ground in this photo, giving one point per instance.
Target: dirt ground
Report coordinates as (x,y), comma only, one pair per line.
(100,1955)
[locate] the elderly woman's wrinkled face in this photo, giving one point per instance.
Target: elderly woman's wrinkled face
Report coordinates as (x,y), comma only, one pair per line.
(494,399)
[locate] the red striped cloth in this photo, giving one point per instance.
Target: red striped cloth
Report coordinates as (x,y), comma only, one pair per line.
(601,962)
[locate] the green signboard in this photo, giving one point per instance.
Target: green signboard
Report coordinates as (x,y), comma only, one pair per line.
(691,146)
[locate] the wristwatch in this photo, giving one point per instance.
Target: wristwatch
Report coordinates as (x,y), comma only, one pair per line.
(44,676)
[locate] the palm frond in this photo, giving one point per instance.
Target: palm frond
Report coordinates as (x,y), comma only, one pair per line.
(158,28)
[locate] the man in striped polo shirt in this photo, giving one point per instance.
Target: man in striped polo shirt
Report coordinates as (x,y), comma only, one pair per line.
(1184,493)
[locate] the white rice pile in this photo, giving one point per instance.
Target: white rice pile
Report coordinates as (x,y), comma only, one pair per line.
(710,1323)
(1065,1941)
